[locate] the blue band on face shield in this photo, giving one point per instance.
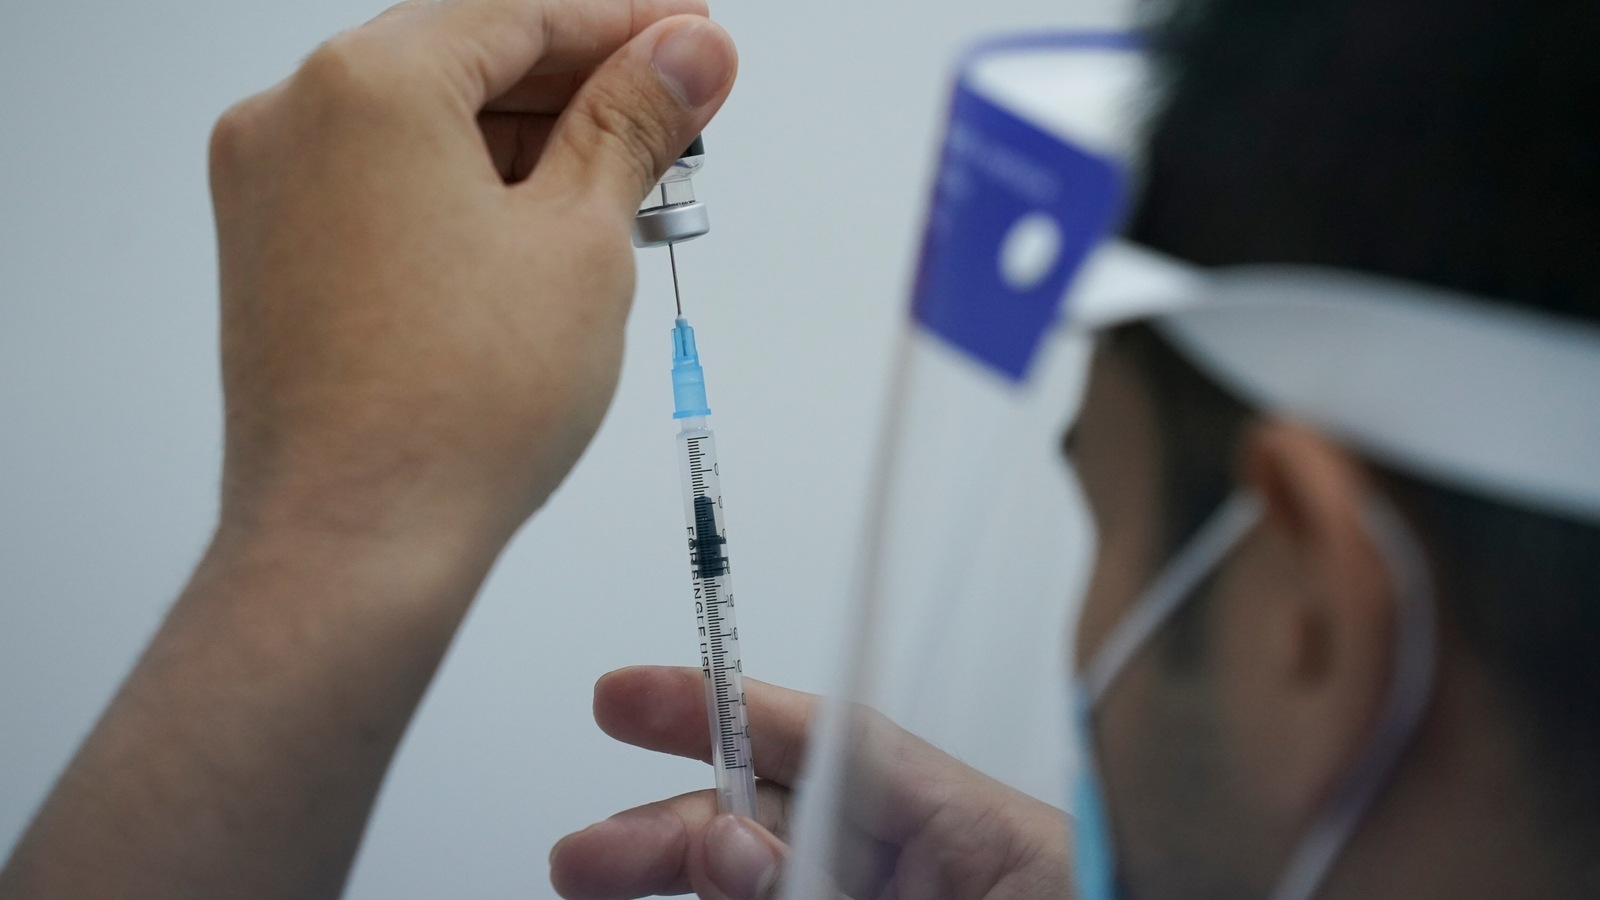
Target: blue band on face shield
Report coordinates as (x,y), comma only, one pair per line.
(1015,212)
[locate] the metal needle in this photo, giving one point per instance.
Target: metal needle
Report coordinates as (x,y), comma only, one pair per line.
(677,297)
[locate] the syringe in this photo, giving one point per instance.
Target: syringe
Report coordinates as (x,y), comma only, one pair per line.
(669,216)
(712,580)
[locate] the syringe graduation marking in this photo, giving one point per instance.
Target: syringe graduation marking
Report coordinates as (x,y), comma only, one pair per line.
(714,602)
(706,557)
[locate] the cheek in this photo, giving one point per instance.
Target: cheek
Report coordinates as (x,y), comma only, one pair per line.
(1117,465)
(1123,495)
(1129,740)
(1161,781)
(1114,583)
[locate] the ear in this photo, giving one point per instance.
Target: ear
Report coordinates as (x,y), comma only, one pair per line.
(1309,621)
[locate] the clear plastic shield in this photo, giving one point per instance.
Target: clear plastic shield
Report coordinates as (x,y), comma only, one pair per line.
(977,542)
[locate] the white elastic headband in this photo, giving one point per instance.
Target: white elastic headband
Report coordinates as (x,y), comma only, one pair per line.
(1454,389)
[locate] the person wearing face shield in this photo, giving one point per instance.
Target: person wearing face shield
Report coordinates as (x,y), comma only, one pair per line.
(1340,636)
(1303,669)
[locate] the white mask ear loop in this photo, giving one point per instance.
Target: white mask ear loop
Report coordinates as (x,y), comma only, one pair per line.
(1416,649)
(1172,588)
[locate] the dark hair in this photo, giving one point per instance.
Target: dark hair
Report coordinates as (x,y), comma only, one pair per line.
(1452,142)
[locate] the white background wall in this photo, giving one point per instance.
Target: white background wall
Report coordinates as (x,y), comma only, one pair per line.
(109,406)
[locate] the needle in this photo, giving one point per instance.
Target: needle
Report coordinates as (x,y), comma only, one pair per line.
(677,297)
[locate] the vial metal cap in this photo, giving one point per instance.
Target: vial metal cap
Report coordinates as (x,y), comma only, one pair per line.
(670,224)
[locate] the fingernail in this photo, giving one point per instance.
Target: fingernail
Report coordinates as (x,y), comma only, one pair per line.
(693,61)
(739,861)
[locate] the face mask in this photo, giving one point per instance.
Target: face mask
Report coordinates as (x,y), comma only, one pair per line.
(1095,852)
(1094,863)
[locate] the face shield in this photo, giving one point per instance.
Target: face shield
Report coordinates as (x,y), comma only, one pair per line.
(977,542)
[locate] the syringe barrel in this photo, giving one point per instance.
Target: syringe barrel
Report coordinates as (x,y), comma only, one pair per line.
(716,629)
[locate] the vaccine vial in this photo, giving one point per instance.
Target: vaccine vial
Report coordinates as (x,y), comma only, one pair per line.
(671,213)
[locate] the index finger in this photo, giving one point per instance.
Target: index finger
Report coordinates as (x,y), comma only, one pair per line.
(899,780)
(663,708)
(486,47)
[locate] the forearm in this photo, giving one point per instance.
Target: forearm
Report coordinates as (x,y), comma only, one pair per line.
(242,755)
(399,361)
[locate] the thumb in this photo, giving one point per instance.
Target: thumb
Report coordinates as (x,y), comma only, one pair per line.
(637,111)
(735,859)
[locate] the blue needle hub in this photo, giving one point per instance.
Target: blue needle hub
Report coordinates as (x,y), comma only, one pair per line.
(688,379)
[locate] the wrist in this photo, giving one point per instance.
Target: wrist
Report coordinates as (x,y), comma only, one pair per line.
(402,551)
(404,512)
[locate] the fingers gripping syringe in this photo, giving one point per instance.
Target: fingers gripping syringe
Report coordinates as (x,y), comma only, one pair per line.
(679,217)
